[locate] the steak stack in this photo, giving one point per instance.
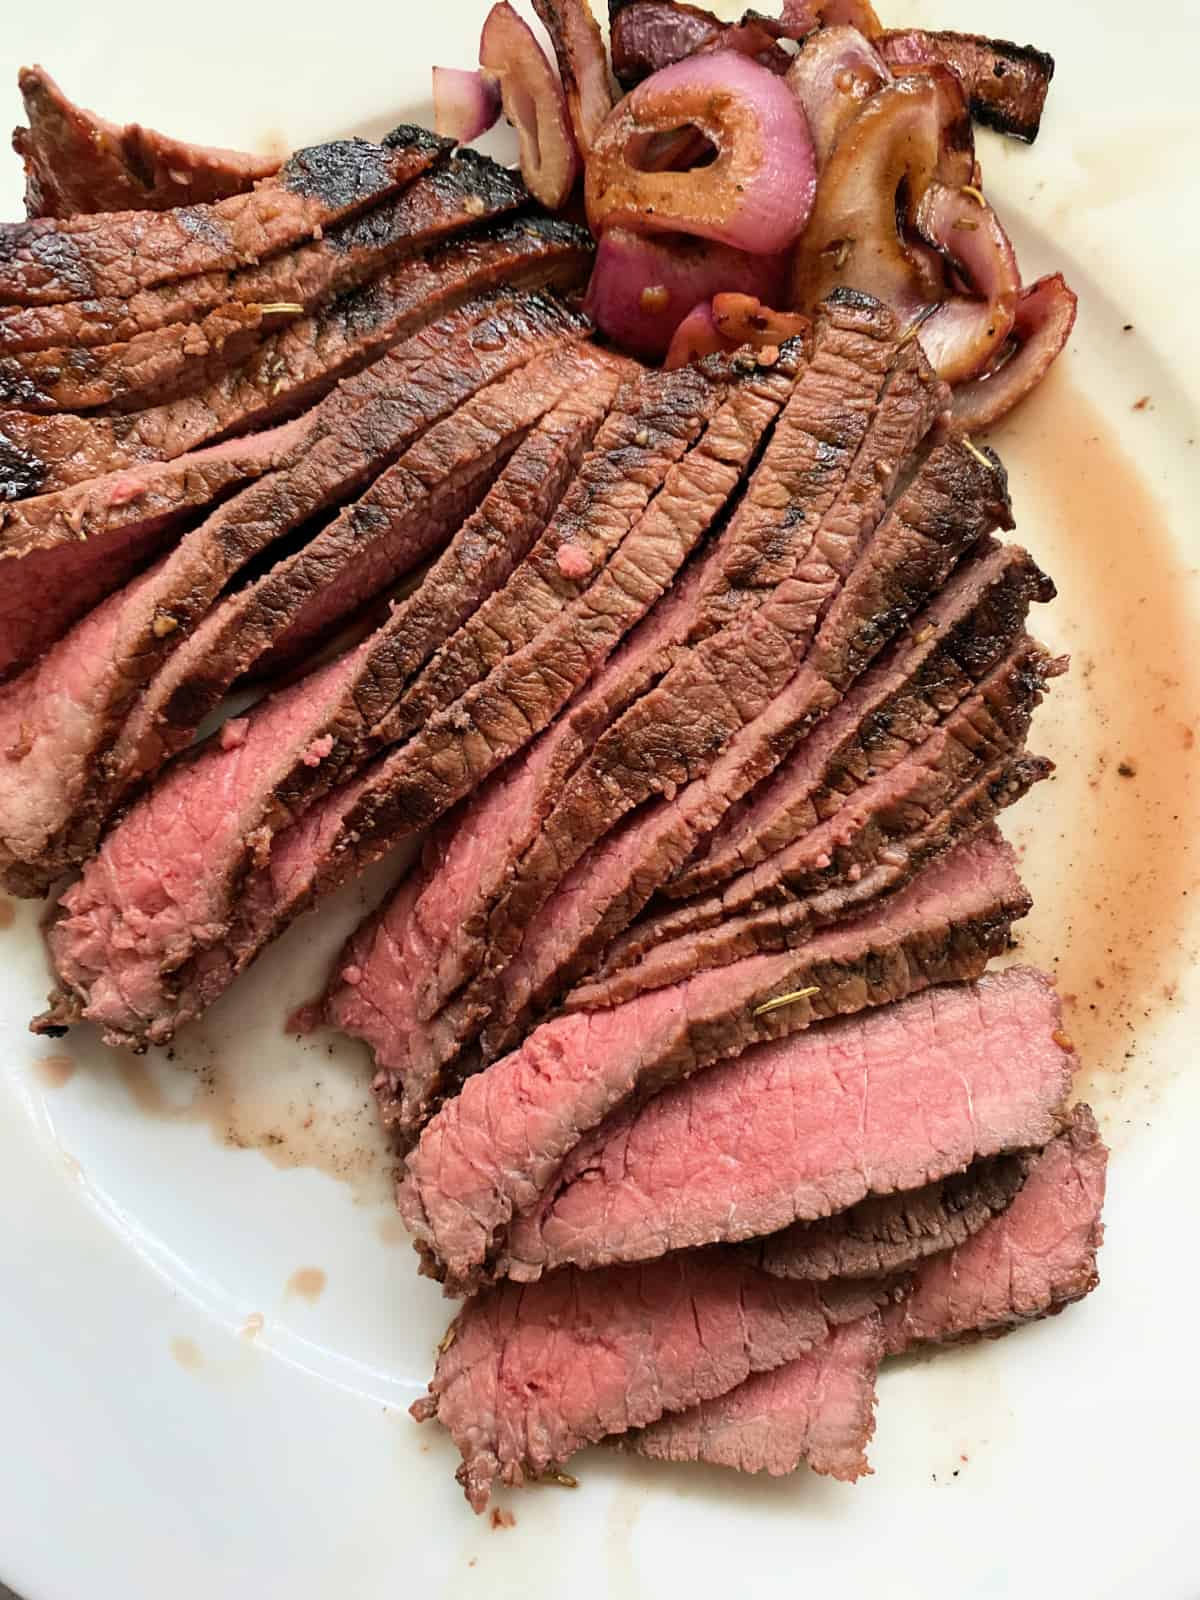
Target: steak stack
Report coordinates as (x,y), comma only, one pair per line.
(706,689)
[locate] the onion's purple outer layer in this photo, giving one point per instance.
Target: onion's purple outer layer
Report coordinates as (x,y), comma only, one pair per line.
(643,287)
(465,103)
(758,192)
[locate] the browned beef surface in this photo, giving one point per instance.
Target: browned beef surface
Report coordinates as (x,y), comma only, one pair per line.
(193,328)
(49,260)
(1006,83)
(297,364)
(453,193)
(76,161)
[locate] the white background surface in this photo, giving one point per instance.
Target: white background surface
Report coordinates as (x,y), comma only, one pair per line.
(149,1446)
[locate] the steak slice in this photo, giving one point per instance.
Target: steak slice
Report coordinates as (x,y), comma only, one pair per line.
(297,364)
(495,1149)
(76,161)
(191,330)
(1006,83)
(802,1128)
(931,524)
(49,259)
(411,508)
(60,554)
(57,799)
(947,649)
(452,195)
(1032,1261)
(526,1376)
(887,1234)
(818,1409)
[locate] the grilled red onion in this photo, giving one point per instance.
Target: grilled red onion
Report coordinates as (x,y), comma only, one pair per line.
(1044,318)
(731,322)
(956,163)
(643,287)
(465,104)
(758,191)
(799,18)
(852,238)
(966,335)
(582,64)
(832,77)
(533,102)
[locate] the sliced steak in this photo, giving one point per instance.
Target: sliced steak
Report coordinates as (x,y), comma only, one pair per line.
(495,1149)
(453,195)
(947,649)
(117,253)
(1006,83)
(1034,1260)
(192,333)
(296,365)
(888,1234)
(527,1376)
(362,429)
(818,1409)
(404,982)
(790,925)
(654,422)
(943,512)
(76,161)
(804,1127)
(894,804)
(311,853)
(411,508)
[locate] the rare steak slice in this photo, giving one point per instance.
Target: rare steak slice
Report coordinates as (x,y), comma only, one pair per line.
(818,1409)
(495,1149)
(529,1375)
(296,365)
(117,253)
(187,332)
(411,508)
(963,632)
(1006,83)
(76,161)
(1034,1260)
(802,1128)
(791,924)
(453,194)
(887,1234)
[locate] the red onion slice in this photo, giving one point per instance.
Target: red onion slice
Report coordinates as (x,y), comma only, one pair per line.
(966,335)
(732,322)
(465,104)
(833,76)
(582,64)
(956,132)
(852,239)
(642,287)
(1044,319)
(758,191)
(533,102)
(799,18)
(695,338)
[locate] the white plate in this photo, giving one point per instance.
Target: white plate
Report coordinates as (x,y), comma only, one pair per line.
(149,1446)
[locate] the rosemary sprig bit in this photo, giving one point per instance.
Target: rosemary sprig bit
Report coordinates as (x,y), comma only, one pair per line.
(782,1000)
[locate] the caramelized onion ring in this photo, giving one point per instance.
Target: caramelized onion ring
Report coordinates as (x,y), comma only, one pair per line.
(852,238)
(756,194)
(533,103)
(1044,319)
